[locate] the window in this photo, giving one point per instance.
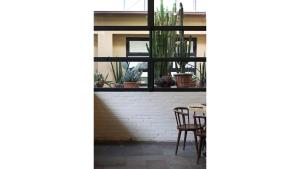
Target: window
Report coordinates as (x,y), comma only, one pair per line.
(137,54)
(136,46)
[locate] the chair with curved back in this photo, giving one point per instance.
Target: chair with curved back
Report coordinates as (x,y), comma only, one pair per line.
(183,124)
(200,122)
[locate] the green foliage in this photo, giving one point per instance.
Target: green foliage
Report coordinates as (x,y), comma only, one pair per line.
(202,72)
(163,42)
(99,80)
(183,47)
(118,71)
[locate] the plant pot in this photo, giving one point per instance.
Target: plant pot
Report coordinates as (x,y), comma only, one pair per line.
(202,84)
(165,81)
(184,80)
(118,85)
(131,85)
(99,84)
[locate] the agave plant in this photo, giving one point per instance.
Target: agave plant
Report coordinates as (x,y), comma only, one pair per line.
(99,80)
(134,74)
(118,71)
(202,73)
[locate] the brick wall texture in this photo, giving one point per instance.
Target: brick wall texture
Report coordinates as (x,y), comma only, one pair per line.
(140,116)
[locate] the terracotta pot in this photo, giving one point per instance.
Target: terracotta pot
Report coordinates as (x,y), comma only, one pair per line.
(202,85)
(165,81)
(184,80)
(131,85)
(118,85)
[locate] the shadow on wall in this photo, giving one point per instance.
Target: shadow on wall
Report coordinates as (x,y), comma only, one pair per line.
(107,127)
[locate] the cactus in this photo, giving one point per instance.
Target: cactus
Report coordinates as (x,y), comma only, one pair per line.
(163,42)
(183,47)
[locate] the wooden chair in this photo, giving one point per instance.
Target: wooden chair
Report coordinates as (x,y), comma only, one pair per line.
(200,122)
(183,124)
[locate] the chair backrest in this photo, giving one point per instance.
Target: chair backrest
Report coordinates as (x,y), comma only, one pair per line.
(200,122)
(182,116)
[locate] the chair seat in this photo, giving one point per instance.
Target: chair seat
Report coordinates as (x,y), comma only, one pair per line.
(187,127)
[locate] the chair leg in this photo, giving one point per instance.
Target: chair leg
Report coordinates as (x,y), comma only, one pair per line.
(199,149)
(185,133)
(196,142)
(204,146)
(178,139)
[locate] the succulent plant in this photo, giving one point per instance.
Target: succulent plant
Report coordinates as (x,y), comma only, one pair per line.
(134,74)
(202,73)
(99,80)
(118,71)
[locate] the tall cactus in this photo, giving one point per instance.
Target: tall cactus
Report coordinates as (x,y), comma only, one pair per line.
(183,47)
(164,42)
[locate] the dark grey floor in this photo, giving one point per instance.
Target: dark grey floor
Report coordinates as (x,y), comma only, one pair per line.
(146,156)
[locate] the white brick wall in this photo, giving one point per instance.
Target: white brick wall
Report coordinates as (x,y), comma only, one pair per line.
(141,116)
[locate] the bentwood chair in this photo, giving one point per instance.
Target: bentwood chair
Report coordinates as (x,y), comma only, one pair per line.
(200,122)
(184,125)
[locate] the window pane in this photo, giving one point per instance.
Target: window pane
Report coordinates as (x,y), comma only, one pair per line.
(121,5)
(201,5)
(167,74)
(138,46)
(136,5)
(121,13)
(121,74)
(165,43)
(113,43)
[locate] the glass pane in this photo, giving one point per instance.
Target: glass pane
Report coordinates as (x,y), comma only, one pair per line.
(167,13)
(169,75)
(113,43)
(121,5)
(166,44)
(138,46)
(136,5)
(120,74)
(201,5)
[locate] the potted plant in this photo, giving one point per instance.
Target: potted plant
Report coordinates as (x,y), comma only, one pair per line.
(202,72)
(183,48)
(163,45)
(118,73)
(132,76)
(99,80)
(201,80)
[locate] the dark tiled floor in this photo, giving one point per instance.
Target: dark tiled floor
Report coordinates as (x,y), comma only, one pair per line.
(146,156)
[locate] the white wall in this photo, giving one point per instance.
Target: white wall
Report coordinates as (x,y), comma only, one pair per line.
(141,116)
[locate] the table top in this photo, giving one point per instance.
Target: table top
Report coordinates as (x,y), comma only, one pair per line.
(198,108)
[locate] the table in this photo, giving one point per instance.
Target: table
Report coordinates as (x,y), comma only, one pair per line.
(198,108)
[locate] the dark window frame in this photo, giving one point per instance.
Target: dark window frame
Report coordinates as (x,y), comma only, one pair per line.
(132,54)
(150,60)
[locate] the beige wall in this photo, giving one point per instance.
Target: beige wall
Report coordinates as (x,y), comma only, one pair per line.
(141,20)
(120,20)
